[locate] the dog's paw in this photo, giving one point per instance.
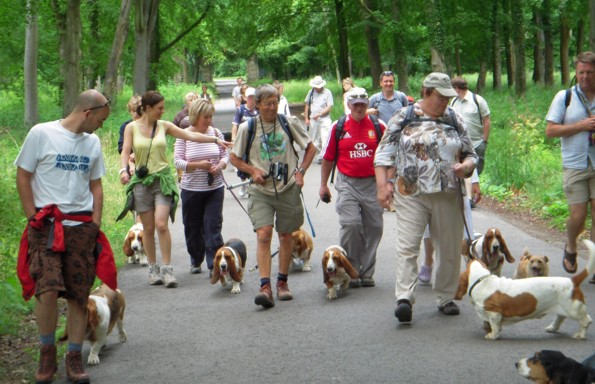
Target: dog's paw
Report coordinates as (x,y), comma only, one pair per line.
(123,337)
(130,260)
(236,289)
(492,336)
(332,294)
(93,359)
(551,328)
(580,335)
(144,262)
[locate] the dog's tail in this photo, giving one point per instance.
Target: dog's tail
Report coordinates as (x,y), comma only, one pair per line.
(590,268)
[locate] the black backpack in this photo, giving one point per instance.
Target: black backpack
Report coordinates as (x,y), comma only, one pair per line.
(339,133)
(250,140)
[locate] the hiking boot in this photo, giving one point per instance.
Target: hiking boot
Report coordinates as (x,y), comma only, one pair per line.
(74,368)
(168,277)
(194,269)
(47,364)
(155,275)
(265,297)
(450,309)
(404,312)
(283,292)
(368,282)
(425,274)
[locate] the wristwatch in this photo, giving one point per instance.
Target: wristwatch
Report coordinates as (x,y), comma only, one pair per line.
(302,171)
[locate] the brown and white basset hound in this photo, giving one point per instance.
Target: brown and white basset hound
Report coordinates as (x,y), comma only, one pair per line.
(546,367)
(133,245)
(105,308)
(532,266)
(301,250)
(229,264)
(337,271)
(500,300)
(491,249)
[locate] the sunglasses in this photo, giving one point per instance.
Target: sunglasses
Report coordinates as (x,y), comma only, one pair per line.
(358,96)
(387,73)
(109,101)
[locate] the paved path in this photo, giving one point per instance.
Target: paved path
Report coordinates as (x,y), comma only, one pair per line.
(201,333)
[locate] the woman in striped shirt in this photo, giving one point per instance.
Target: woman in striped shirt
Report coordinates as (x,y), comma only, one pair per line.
(202,188)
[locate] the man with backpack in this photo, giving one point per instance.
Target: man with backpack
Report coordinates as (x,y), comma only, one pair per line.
(264,150)
(317,113)
(351,146)
(571,118)
(476,114)
(384,104)
(243,113)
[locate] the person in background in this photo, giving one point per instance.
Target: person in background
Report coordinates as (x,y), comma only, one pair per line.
(132,106)
(151,191)
(429,153)
(205,94)
(317,114)
(273,204)
(202,187)
(283,104)
(385,103)
(243,96)
(181,119)
(55,155)
(235,93)
(243,113)
(360,215)
(348,85)
(571,117)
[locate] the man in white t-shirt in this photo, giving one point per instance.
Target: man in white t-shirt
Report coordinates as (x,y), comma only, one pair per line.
(235,93)
(317,114)
(61,163)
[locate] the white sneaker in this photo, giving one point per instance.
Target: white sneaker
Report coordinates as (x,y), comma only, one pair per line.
(155,275)
(243,190)
(169,278)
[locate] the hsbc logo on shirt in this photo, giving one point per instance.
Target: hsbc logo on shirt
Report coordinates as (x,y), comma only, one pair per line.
(361,150)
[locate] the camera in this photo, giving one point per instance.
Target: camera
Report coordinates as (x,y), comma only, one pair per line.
(210,179)
(278,171)
(142,171)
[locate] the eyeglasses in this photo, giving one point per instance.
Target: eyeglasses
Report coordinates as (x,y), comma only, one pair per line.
(109,101)
(358,96)
(271,104)
(387,73)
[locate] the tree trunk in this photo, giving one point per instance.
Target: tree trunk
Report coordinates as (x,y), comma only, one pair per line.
(508,44)
(496,57)
(538,60)
(549,45)
(437,35)
(111,72)
(252,70)
(580,35)
(343,63)
(92,69)
(72,55)
(518,30)
(30,68)
(564,46)
(145,15)
(458,59)
(437,61)
(399,51)
(481,78)
(154,50)
(592,25)
(372,32)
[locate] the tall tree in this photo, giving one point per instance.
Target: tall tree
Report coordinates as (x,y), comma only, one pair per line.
(538,56)
(70,32)
(144,26)
(399,50)
(111,72)
(518,30)
(592,25)
(548,39)
(564,47)
(437,35)
(509,43)
(343,59)
(30,72)
(496,57)
(372,32)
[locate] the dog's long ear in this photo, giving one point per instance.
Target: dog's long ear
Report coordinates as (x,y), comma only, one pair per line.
(234,271)
(126,247)
(485,249)
(348,267)
(325,275)
(504,247)
(215,276)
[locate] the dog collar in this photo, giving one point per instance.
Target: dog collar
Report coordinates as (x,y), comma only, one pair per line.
(477,282)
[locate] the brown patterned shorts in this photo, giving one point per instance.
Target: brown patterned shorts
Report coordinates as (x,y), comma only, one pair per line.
(72,272)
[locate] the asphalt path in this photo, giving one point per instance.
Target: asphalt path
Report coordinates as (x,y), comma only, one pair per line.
(202,333)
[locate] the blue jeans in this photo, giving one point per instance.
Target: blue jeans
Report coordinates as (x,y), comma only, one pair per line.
(202,215)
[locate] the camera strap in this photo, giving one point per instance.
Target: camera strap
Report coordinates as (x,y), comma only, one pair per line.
(269,151)
(151,143)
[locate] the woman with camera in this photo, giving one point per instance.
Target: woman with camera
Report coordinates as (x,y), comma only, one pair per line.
(202,189)
(152,191)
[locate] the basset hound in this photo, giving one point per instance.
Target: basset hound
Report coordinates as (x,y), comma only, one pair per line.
(491,249)
(547,367)
(500,300)
(337,271)
(229,264)
(532,266)
(133,245)
(301,250)
(105,308)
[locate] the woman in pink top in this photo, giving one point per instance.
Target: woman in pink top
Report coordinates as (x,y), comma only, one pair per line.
(202,188)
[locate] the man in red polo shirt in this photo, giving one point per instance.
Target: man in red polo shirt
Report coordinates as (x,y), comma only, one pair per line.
(360,214)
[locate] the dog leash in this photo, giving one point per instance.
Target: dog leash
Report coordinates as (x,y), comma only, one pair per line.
(254,268)
(463,213)
(308,214)
(232,193)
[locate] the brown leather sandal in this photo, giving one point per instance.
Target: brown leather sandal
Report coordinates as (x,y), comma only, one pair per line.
(571,259)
